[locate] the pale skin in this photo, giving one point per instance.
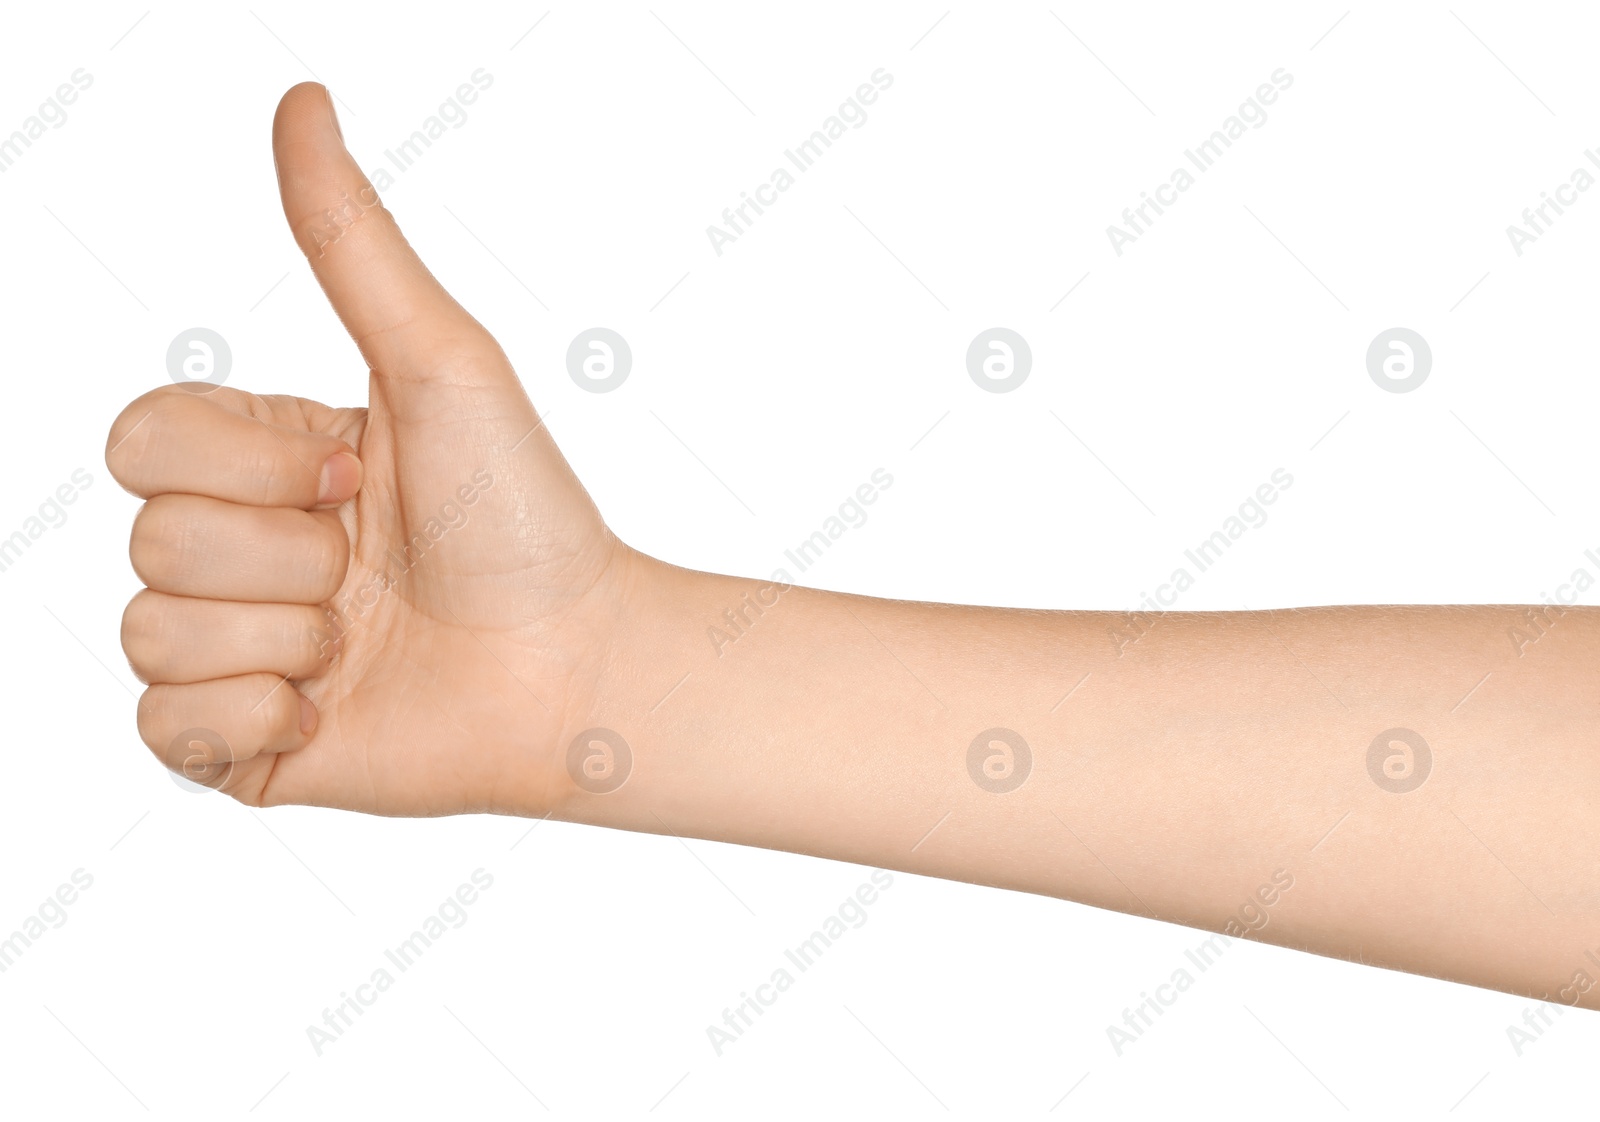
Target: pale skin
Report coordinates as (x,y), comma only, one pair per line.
(1209,769)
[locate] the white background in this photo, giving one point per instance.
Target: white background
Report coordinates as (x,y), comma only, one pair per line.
(768,383)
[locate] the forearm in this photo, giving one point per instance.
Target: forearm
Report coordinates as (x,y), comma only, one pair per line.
(1210,769)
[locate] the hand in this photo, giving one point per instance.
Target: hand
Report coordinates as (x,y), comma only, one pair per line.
(392,609)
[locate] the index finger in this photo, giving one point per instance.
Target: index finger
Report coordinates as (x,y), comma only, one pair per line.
(170,441)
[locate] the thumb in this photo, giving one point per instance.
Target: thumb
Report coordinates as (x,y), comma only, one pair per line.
(409,329)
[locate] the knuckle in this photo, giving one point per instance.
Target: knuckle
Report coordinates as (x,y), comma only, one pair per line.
(151,719)
(146,634)
(159,544)
(246,713)
(264,470)
(267,473)
(313,642)
(135,434)
(278,712)
(128,439)
(328,558)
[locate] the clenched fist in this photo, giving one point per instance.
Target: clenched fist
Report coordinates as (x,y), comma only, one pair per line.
(394,609)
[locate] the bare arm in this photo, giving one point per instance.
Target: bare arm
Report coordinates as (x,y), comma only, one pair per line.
(1342,780)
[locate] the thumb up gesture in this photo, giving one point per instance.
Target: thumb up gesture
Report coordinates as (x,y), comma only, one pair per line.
(390,608)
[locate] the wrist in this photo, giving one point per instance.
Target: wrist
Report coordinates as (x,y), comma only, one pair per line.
(644,743)
(630,638)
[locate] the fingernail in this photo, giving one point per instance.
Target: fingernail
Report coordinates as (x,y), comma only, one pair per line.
(333,114)
(341,478)
(308,715)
